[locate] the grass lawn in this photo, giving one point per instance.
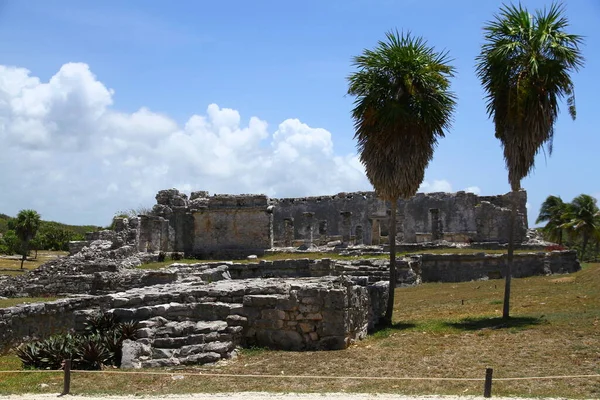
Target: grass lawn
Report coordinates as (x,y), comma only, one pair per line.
(4,303)
(335,256)
(11,265)
(443,330)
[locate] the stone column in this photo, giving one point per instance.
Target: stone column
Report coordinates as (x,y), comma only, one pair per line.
(323,231)
(308,223)
(375,232)
(358,235)
(288,232)
(436,226)
(346,227)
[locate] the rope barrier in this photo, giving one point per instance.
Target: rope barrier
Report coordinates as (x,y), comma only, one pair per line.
(379,378)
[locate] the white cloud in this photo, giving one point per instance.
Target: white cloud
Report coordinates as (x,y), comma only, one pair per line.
(473,189)
(76,159)
(72,154)
(435,186)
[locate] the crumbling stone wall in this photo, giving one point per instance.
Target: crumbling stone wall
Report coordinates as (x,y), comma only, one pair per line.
(232,226)
(177,321)
(221,226)
(466,267)
(459,217)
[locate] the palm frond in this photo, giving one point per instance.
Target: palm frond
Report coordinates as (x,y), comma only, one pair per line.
(403,106)
(525,67)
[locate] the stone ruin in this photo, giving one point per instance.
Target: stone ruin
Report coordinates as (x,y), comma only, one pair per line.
(235,226)
(200,313)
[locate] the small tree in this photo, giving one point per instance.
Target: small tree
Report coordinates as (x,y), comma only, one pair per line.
(26,226)
(555,213)
(583,220)
(10,243)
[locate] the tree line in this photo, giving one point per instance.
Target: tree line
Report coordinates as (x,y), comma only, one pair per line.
(574,225)
(28,232)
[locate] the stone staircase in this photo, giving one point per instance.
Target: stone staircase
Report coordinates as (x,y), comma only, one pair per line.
(182,334)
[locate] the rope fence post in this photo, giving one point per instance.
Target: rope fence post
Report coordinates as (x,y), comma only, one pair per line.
(67,379)
(487,388)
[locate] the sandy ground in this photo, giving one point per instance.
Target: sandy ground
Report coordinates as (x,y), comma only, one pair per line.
(257,396)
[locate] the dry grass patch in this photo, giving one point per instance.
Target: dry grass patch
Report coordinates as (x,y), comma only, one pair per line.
(450,330)
(11,302)
(11,265)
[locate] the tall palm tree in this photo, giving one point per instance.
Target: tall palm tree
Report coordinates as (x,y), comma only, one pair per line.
(525,67)
(403,105)
(583,219)
(26,226)
(554,212)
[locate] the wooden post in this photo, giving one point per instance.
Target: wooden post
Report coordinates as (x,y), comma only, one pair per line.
(67,380)
(487,389)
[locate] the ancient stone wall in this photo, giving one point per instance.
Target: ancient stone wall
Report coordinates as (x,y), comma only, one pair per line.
(329,217)
(178,320)
(466,267)
(224,226)
(232,227)
(220,226)
(455,217)
(40,320)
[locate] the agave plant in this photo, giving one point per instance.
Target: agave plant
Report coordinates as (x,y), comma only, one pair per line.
(128,330)
(55,349)
(91,353)
(100,323)
(30,355)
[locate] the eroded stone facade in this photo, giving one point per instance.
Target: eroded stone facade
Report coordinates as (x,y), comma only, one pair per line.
(232,226)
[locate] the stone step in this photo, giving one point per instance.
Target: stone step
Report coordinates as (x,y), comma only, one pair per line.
(201,311)
(195,339)
(194,359)
(220,347)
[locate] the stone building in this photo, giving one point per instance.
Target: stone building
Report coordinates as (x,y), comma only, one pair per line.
(231,226)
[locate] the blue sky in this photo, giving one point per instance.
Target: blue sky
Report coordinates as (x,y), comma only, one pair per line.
(102,103)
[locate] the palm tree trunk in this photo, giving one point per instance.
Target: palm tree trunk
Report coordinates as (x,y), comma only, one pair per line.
(584,245)
(23,259)
(392,286)
(510,255)
(560,235)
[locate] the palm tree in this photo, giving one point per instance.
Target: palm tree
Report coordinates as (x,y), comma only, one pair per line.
(403,105)
(525,67)
(554,212)
(583,219)
(26,226)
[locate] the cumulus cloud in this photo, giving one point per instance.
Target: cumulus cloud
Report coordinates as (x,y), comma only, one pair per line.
(473,189)
(69,154)
(72,155)
(435,186)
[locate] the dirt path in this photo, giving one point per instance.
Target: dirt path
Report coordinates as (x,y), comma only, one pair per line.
(257,396)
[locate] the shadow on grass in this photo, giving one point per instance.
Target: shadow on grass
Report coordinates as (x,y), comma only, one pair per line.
(475,324)
(383,331)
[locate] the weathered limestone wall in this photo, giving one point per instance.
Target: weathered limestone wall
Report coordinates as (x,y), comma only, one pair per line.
(466,267)
(317,315)
(232,226)
(178,320)
(457,217)
(221,226)
(339,215)
(238,225)
(40,320)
